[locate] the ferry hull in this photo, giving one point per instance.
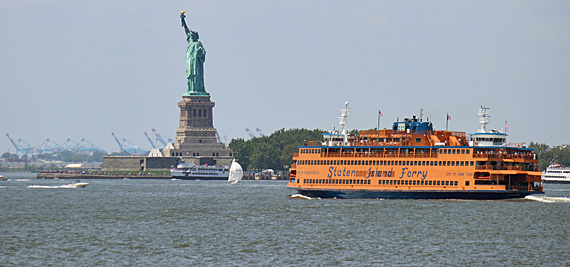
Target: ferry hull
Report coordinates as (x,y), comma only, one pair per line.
(382,194)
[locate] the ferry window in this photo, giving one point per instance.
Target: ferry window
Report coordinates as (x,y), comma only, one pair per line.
(391,182)
(368,182)
(438,182)
(471,163)
(466,183)
(446,182)
(462,151)
(424,163)
(453,151)
(461,163)
(452,163)
(455,183)
(467,151)
(418,139)
(414,182)
(457,163)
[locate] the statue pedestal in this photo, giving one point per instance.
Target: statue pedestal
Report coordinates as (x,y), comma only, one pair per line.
(196,135)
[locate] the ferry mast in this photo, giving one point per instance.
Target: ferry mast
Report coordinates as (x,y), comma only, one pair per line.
(343,120)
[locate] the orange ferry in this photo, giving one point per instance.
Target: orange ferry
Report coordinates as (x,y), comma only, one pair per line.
(414,161)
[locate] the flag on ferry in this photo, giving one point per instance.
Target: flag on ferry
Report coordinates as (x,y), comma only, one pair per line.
(380,113)
(506,126)
(448,117)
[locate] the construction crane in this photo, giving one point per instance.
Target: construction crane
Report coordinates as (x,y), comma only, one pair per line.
(81,146)
(153,144)
(249,132)
(22,146)
(218,137)
(68,145)
(259,132)
(159,138)
(49,146)
(84,145)
(128,146)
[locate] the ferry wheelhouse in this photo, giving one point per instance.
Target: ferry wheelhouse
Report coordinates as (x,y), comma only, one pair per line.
(414,161)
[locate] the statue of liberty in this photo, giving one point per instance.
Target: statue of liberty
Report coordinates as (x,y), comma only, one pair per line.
(195,57)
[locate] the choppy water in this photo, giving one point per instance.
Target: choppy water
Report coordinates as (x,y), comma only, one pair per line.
(183,223)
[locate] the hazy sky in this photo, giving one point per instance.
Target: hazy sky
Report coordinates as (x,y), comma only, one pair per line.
(81,69)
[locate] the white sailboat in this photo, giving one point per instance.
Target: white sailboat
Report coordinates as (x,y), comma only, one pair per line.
(236,172)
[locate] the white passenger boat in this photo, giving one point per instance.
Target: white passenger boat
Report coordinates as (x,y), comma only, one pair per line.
(555,173)
(189,171)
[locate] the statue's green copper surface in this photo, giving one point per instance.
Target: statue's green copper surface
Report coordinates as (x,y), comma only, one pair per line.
(195,57)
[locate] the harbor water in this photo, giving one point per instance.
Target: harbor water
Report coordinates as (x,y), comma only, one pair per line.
(211,223)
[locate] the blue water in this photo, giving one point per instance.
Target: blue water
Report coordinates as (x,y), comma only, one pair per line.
(211,223)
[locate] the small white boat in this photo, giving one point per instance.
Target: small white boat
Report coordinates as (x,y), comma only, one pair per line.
(236,173)
(78,185)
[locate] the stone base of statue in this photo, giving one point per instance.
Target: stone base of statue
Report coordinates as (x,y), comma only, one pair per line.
(196,139)
(196,94)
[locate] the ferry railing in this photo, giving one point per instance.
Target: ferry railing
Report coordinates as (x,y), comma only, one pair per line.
(505,156)
(380,155)
(504,168)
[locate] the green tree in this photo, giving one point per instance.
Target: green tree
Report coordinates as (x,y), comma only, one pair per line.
(274,151)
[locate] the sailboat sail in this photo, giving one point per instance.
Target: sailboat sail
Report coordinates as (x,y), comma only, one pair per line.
(236,172)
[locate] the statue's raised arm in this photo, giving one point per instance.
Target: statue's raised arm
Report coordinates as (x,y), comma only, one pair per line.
(182,18)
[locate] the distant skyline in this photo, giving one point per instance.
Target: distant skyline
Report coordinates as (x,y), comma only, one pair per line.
(85,69)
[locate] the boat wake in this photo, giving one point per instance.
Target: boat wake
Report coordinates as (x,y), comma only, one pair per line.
(548,199)
(299,196)
(73,185)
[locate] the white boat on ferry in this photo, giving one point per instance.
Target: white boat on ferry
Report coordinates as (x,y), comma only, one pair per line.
(555,173)
(189,171)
